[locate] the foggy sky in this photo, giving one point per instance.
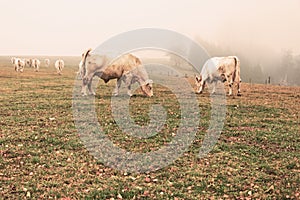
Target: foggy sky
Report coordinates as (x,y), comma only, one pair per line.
(68,27)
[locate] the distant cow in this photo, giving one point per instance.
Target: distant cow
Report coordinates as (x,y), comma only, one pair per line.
(59,65)
(47,62)
(28,62)
(18,64)
(13,60)
(220,69)
(127,68)
(36,64)
(21,65)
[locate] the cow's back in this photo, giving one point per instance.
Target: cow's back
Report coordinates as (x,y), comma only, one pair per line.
(209,69)
(127,62)
(122,65)
(229,66)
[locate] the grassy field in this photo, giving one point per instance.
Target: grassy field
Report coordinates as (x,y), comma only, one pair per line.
(42,156)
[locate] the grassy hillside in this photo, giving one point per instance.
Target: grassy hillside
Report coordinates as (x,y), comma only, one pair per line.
(42,156)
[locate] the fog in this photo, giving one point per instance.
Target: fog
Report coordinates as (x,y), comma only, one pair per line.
(262,33)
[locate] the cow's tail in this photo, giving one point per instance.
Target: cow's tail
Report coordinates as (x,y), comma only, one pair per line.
(237,74)
(83,67)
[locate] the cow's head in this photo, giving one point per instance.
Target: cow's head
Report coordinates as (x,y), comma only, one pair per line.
(223,78)
(198,80)
(147,88)
(221,71)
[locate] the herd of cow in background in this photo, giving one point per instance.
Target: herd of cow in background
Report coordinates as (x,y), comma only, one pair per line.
(20,63)
(129,70)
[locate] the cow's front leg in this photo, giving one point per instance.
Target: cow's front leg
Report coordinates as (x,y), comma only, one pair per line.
(129,90)
(128,81)
(230,88)
(230,84)
(214,83)
(118,85)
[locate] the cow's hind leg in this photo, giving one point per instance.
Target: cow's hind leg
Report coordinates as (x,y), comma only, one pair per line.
(91,91)
(239,88)
(86,84)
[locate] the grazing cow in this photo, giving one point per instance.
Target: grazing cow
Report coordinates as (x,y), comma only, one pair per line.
(59,65)
(21,65)
(127,68)
(13,60)
(18,64)
(47,62)
(36,64)
(28,62)
(220,69)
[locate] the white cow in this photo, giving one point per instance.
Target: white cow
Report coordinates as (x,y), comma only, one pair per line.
(127,68)
(28,62)
(59,65)
(47,62)
(220,69)
(18,64)
(13,60)
(36,64)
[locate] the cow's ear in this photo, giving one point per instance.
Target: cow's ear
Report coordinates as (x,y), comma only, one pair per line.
(221,69)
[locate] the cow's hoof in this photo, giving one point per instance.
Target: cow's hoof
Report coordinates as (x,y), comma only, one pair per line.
(239,94)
